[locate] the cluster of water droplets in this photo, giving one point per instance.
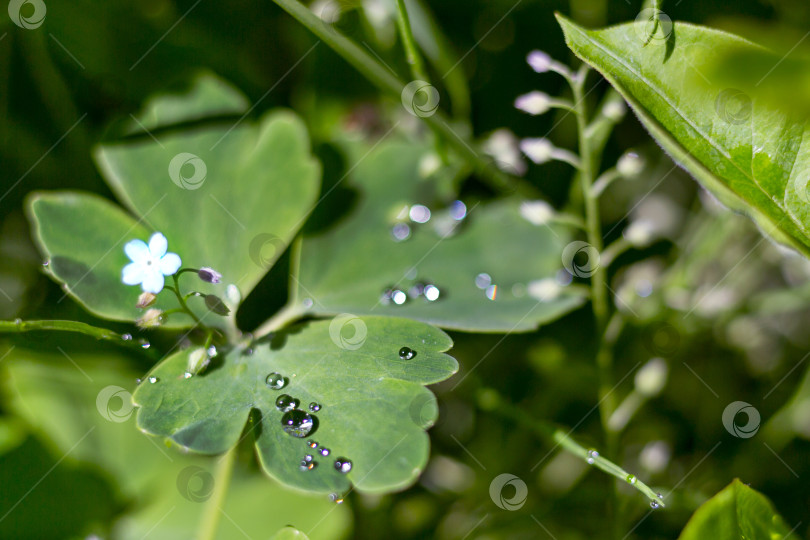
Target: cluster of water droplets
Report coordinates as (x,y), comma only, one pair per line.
(444,222)
(399,296)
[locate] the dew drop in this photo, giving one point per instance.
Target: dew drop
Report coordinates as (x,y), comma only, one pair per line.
(406,353)
(631,479)
(343,465)
(401,232)
(458,210)
(187,375)
(592,455)
(307,303)
(492,292)
(655,504)
(127,337)
(138,381)
(324,451)
(335,498)
(312,444)
(212,351)
(431,293)
(276,381)
(308,458)
(314,407)
(416,290)
(659,496)
(144,344)
(483,280)
(308,465)
(297,423)
(46,263)
(153,380)
(248,351)
(419,213)
(286,403)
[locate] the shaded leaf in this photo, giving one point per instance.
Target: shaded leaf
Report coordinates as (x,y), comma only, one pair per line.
(349,267)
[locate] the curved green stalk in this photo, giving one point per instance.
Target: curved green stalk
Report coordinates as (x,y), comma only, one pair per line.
(213,507)
(558,437)
(19,326)
(379,76)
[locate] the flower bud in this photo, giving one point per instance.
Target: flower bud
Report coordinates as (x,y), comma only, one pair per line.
(630,165)
(151,319)
(533,103)
(539,61)
(198,360)
(216,305)
(145,300)
(614,110)
(209,275)
(538,150)
(652,377)
(536,212)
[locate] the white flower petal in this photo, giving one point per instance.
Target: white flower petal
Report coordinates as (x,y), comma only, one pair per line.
(132,274)
(137,251)
(158,245)
(152,281)
(170,263)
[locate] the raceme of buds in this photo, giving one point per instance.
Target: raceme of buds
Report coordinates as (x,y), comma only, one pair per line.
(145,300)
(152,318)
(209,275)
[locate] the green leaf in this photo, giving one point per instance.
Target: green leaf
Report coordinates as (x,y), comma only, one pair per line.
(347,268)
(736,512)
(374,407)
(229,196)
(748,153)
(78,403)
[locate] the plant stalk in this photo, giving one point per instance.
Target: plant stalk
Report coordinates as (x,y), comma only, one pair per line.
(213,507)
(19,326)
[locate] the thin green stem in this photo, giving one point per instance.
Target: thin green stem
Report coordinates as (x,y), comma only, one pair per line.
(181,300)
(594,233)
(19,326)
(557,436)
(383,79)
(409,43)
(213,507)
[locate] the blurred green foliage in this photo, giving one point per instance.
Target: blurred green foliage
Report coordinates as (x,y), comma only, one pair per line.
(727,310)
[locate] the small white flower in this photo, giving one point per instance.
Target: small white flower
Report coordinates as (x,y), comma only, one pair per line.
(534,103)
(149,263)
(539,61)
(630,165)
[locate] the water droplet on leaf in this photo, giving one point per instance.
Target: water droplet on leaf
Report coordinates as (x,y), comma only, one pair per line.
(276,381)
(153,380)
(314,407)
(592,455)
(654,505)
(297,423)
(187,375)
(343,465)
(631,479)
(324,451)
(431,293)
(312,444)
(286,403)
(483,280)
(406,353)
(127,337)
(335,498)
